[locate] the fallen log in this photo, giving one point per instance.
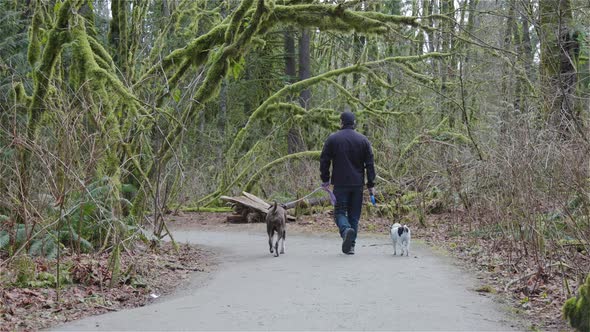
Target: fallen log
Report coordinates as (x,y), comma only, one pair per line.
(249,208)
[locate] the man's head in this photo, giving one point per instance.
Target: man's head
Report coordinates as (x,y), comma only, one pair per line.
(346,119)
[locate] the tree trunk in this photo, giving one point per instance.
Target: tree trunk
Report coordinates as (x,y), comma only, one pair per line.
(507,72)
(449,64)
(294,139)
(118,33)
(559,55)
(304,67)
(524,49)
(165,8)
(527,47)
(304,95)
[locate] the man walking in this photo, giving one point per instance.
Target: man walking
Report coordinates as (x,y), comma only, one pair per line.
(350,154)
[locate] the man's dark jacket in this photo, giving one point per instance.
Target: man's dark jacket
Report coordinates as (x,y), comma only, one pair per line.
(350,154)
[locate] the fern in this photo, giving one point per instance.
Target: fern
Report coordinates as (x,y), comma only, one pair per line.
(126,203)
(21,236)
(43,245)
(36,248)
(128,189)
(21,233)
(85,245)
(50,250)
(4,239)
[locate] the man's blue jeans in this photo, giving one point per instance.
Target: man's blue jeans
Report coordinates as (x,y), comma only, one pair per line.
(347,212)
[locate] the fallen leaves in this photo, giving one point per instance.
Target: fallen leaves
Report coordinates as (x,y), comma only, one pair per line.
(36,308)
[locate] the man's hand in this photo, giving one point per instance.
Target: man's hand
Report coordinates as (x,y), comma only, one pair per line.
(372,191)
(326,187)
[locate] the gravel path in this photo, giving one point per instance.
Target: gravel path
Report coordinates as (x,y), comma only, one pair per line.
(315,287)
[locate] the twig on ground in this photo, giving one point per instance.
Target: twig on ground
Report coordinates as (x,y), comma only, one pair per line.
(528,275)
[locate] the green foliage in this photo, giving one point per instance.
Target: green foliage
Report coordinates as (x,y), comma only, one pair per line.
(25,269)
(89,217)
(44,279)
(45,243)
(577,309)
(4,239)
(26,275)
(13,48)
(85,223)
(44,246)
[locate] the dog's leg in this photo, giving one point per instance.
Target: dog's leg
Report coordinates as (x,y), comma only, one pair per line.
(277,246)
(283,242)
(270,233)
(394,248)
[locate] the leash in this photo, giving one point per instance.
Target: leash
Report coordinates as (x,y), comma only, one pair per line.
(332,197)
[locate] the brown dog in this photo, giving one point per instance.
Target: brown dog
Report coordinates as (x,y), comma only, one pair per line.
(276,221)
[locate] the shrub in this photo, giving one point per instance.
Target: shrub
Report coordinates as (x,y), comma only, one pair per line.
(577,309)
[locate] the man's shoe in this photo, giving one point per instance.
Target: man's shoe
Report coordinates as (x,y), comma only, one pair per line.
(347,242)
(351,251)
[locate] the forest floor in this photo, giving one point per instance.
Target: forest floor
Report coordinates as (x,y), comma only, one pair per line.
(536,297)
(145,275)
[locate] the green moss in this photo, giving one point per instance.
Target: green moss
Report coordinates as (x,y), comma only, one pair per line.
(289,89)
(51,53)
(348,95)
(577,309)
(326,17)
(419,77)
(118,33)
(101,54)
(232,29)
(20,95)
(285,108)
(294,156)
(25,269)
(34,49)
(486,289)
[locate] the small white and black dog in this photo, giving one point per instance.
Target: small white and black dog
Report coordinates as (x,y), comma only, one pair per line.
(276,221)
(400,234)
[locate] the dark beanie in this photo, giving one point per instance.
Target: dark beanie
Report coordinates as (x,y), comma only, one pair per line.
(347,118)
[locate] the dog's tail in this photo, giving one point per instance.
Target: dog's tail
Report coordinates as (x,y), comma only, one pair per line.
(273,207)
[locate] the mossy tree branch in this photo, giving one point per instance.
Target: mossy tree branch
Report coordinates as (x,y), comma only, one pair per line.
(304,84)
(323,16)
(315,155)
(44,70)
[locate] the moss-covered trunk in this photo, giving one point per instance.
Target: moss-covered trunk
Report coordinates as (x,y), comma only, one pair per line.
(559,55)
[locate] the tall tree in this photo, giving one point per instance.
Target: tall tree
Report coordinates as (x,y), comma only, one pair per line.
(560,50)
(294,139)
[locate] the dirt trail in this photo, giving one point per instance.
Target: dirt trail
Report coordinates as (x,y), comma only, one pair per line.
(314,287)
